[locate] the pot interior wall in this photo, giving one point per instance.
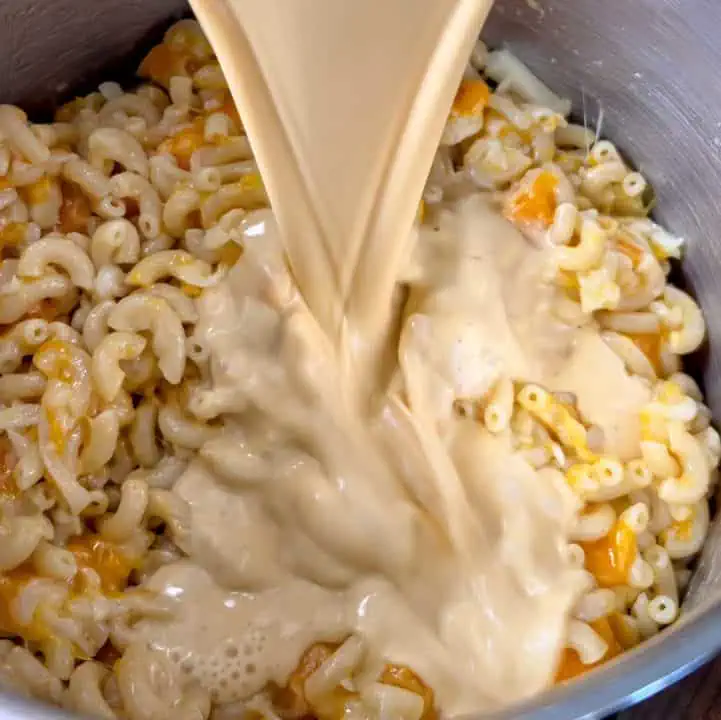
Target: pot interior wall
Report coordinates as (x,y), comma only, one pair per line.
(51,48)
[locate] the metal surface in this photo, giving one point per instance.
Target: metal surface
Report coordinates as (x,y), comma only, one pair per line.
(50,47)
(647,67)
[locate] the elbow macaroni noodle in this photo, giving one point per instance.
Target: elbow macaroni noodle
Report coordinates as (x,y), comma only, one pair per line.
(113,220)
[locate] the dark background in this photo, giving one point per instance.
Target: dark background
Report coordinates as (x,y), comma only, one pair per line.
(698,697)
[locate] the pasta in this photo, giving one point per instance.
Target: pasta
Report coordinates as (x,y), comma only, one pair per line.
(497,414)
(85,693)
(115,241)
(111,145)
(107,375)
(143,312)
(119,215)
(585,641)
(137,188)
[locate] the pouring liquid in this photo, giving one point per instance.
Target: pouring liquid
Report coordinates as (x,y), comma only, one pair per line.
(344,104)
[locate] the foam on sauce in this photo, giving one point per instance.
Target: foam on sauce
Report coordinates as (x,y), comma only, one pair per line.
(345,495)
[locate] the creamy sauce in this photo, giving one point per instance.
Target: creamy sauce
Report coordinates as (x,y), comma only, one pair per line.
(416,529)
(606,393)
(341,499)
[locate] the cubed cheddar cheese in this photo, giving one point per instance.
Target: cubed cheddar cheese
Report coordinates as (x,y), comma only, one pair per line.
(610,558)
(535,203)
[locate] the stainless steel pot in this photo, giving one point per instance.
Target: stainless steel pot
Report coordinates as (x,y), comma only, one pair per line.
(647,68)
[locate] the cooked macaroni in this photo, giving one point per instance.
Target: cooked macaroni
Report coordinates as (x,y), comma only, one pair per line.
(117,218)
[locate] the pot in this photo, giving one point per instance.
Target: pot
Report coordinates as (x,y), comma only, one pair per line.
(643,70)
